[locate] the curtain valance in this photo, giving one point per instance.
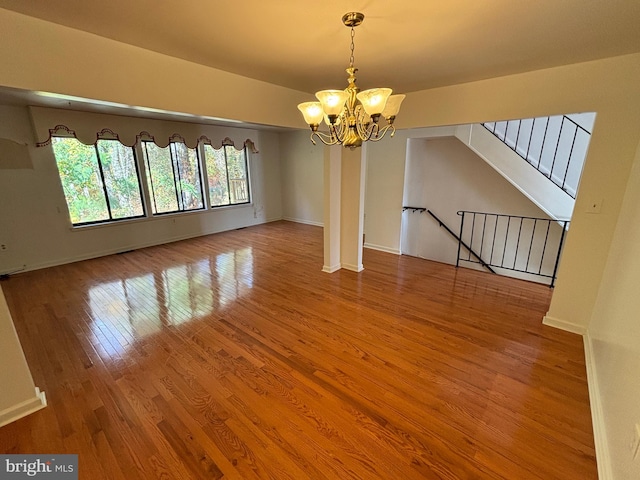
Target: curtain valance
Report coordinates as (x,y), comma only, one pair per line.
(90,127)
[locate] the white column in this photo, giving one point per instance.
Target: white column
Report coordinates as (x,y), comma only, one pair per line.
(352,208)
(19,396)
(332,198)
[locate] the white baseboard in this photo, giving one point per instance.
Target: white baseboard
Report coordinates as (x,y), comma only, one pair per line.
(302,220)
(353,268)
(22,409)
(132,246)
(381,248)
(331,269)
(564,325)
(597,416)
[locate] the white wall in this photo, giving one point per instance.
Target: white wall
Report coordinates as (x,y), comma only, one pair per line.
(43,56)
(37,231)
(385,184)
(266,177)
(614,336)
(383,193)
(302,166)
(445,176)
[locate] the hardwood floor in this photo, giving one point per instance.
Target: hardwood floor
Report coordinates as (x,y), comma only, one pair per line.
(233,356)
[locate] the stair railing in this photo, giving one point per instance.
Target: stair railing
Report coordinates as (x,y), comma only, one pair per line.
(556,146)
(521,244)
(453,234)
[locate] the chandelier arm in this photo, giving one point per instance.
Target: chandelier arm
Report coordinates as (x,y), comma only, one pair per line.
(363,129)
(383,131)
(333,132)
(375,131)
(338,130)
(366,130)
(327,139)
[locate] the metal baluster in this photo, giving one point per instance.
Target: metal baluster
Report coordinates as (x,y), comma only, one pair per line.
(473,229)
(533,233)
(493,243)
(555,154)
(515,257)
(544,247)
(566,171)
(504,247)
(544,139)
(533,126)
(484,226)
(460,239)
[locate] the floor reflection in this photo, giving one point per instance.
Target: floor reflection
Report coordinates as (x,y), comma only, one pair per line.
(126,309)
(234,272)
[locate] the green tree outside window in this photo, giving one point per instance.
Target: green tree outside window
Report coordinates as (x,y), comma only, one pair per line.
(100,182)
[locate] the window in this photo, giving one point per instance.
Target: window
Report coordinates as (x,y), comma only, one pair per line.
(173,175)
(227,175)
(101,182)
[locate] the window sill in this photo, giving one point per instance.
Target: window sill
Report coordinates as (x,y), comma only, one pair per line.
(153,218)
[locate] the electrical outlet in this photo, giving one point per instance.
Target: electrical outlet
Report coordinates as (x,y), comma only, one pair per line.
(635,444)
(3,247)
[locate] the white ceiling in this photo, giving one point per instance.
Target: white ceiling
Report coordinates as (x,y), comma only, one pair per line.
(407,45)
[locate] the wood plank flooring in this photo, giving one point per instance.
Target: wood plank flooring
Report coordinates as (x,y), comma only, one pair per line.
(233,356)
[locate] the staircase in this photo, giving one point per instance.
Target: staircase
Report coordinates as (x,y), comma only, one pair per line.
(516,246)
(554,149)
(541,157)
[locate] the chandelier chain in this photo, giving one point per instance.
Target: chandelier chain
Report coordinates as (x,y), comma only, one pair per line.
(353,35)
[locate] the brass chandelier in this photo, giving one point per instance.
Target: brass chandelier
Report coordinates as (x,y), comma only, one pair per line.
(351,115)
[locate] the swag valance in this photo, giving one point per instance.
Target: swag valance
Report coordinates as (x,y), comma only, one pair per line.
(89,127)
